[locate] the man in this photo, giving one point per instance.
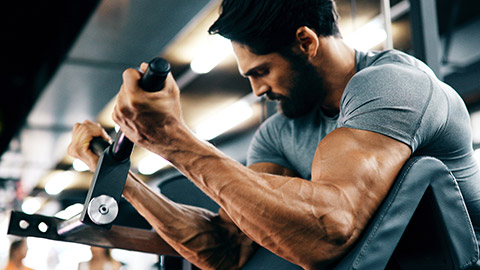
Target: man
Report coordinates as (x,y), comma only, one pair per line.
(18,251)
(349,120)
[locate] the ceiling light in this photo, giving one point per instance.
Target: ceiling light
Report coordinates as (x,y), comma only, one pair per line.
(476,155)
(58,182)
(70,211)
(79,165)
(211,54)
(475,125)
(224,120)
(367,36)
(31,205)
(151,164)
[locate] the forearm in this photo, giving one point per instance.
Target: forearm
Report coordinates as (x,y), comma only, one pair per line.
(282,214)
(200,236)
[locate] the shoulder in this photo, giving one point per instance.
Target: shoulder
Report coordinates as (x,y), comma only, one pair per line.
(83,265)
(388,75)
(394,78)
(389,96)
(392,65)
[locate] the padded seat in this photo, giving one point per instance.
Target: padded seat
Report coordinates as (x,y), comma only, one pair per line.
(422,224)
(424,206)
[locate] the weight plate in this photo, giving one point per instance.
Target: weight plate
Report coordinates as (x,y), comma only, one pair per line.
(102,209)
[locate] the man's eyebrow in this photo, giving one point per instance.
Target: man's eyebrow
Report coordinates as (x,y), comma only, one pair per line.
(253,70)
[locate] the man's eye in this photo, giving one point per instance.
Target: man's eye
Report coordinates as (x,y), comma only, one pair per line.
(261,73)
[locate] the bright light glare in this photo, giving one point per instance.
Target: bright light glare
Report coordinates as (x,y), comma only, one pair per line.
(224,120)
(70,211)
(151,164)
(31,205)
(367,37)
(58,182)
(79,165)
(48,254)
(475,125)
(476,155)
(215,50)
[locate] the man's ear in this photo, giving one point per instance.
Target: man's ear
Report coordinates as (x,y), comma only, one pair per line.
(308,41)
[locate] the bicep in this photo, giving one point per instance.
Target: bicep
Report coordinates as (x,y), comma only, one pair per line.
(363,164)
(272,168)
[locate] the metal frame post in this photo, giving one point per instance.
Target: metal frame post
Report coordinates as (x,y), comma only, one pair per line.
(425,36)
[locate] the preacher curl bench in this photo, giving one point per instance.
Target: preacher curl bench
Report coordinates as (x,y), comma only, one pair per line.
(422,224)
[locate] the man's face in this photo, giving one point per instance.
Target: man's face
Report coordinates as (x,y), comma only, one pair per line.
(291,80)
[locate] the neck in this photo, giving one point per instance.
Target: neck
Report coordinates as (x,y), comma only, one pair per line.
(18,262)
(336,65)
(99,258)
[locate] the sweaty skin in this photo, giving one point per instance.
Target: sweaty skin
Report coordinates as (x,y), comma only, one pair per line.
(310,223)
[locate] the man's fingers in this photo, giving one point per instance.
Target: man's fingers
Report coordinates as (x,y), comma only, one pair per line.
(82,136)
(130,77)
(143,66)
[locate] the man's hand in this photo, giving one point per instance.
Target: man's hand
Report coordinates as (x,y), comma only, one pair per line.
(148,119)
(80,145)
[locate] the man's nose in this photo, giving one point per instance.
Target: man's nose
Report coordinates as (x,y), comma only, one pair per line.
(259,89)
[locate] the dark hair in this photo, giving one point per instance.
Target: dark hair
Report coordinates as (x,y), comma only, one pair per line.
(14,246)
(267,26)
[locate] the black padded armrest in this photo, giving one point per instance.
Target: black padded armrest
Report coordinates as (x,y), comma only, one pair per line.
(419,175)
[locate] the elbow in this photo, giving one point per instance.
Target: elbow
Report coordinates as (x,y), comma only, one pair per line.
(339,228)
(338,236)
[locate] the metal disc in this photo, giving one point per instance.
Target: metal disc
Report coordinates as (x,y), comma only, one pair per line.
(102,209)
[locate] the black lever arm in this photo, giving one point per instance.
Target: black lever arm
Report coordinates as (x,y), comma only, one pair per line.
(101,204)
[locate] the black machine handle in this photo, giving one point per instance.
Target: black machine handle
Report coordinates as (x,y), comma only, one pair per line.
(98,145)
(153,80)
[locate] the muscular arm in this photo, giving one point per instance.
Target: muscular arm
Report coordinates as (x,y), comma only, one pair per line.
(281,212)
(308,223)
(208,240)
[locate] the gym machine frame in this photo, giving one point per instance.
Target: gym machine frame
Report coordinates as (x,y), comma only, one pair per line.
(94,225)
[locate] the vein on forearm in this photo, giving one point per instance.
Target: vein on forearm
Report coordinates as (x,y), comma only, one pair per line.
(198,235)
(281,213)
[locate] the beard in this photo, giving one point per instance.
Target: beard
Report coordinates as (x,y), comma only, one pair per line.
(305,91)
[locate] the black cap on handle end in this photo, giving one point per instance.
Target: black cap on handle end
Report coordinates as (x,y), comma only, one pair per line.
(154,77)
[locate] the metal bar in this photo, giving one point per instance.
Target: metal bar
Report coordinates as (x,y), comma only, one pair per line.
(451,27)
(425,37)
(386,11)
(71,225)
(399,9)
(121,237)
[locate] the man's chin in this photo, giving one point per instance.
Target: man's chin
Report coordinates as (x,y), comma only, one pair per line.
(293,113)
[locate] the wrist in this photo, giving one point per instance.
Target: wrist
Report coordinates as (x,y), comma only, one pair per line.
(177,138)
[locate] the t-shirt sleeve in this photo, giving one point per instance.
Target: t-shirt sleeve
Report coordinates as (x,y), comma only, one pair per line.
(389,99)
(266,144)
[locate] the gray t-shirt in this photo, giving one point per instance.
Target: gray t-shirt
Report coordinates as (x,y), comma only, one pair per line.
(392,94)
